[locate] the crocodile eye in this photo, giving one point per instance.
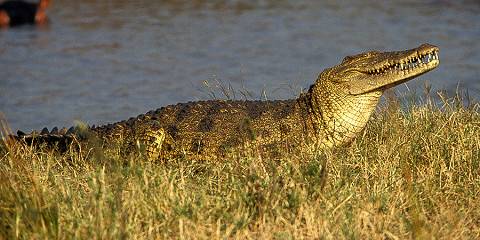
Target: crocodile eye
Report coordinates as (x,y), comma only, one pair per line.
(348,58)
(360,56)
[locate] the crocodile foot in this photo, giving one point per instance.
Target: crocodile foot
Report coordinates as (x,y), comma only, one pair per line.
(151,140)
(150,143)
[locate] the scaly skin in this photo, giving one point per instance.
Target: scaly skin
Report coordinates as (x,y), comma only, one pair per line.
(333,111)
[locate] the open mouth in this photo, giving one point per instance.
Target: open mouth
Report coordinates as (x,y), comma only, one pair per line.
(407,65)
(385,70)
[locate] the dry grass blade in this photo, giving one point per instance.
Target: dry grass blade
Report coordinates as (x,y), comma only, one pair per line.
(6,132)
(413,173)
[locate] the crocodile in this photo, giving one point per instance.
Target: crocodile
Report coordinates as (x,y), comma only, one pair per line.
(333,111)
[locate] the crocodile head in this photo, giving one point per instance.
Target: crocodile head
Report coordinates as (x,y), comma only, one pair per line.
(345,95)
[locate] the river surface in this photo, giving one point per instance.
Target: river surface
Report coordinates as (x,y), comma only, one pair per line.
(105,61)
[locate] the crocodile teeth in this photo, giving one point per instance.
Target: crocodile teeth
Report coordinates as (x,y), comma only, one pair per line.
(405,64)
(426,58)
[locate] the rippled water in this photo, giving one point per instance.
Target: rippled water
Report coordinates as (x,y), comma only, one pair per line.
(104,61)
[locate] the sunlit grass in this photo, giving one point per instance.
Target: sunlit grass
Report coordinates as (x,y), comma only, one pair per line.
(413,173)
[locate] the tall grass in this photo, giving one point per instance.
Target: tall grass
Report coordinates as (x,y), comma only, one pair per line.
(413,173)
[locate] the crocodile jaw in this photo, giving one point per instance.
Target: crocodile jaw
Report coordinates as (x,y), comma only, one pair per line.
(381,71)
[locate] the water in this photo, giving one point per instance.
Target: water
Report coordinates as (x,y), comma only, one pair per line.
(104,61)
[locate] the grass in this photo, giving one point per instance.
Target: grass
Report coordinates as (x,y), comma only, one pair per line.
(413,173)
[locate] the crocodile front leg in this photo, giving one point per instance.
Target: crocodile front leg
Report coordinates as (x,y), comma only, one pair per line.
(152,141)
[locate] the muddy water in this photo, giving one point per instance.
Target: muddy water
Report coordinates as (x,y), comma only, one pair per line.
(104,61)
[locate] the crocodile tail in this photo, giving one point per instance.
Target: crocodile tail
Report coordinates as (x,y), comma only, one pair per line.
(54,139)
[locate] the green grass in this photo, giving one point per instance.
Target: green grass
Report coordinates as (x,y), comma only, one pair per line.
(413,173)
